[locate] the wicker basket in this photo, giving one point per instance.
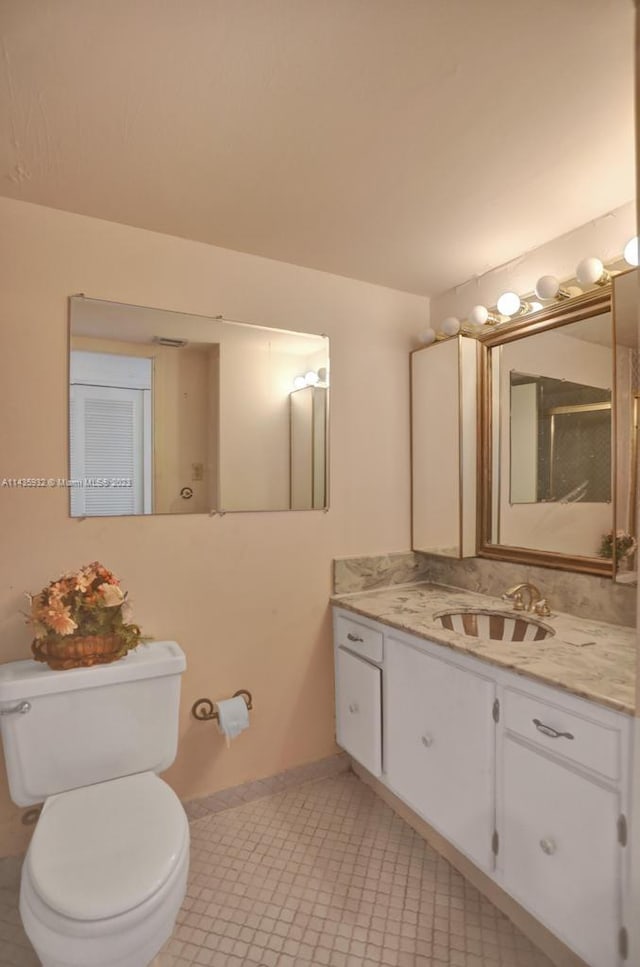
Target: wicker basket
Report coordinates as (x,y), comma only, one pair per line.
(77,651)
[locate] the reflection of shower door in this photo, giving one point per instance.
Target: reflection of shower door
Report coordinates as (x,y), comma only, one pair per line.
(110,435)
(580,452)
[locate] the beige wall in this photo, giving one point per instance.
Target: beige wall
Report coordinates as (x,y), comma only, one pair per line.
(244,594)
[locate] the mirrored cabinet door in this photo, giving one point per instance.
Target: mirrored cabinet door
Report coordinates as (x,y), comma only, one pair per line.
(625,310)
(548,437)
(443,447)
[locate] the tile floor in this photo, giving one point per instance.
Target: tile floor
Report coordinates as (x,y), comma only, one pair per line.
(321,874)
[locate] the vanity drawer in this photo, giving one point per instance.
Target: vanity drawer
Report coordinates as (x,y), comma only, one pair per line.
(359,638)
(582,740)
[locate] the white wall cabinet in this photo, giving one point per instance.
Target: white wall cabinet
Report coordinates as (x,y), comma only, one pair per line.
(440,746)
(443,447)
(529,781)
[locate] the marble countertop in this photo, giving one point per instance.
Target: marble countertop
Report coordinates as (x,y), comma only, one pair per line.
(588,658)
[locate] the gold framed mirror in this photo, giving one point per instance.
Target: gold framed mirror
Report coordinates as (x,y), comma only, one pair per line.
(547,454)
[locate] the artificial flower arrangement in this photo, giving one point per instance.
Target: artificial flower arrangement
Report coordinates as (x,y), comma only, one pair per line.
(625,545)
(79,619)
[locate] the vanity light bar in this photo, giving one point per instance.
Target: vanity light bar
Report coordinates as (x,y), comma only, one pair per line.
(590,272)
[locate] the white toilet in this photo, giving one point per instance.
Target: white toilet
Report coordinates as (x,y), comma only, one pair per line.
(106,871)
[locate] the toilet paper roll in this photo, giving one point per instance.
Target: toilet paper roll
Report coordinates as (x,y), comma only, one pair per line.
(233,717)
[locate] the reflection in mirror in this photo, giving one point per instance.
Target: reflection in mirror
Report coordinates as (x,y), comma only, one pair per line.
(174,413)
(625,305)
(560,441)
(547,462)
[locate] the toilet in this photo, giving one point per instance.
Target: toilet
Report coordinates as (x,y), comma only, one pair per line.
(106,870)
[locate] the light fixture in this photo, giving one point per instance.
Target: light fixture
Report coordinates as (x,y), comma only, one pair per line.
(323,374)
(311,378)
(299,382)
(535,306)
(510,304)
(631,255)
(591,271)
(427,336)
(451,326)
(480,316)
(548,287)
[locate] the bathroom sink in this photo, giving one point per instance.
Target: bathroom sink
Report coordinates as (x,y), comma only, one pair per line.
(494,625)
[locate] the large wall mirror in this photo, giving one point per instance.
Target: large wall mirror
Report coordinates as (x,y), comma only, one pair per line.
(172,413)
(548,444)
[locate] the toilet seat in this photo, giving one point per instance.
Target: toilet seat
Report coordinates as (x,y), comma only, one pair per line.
(102,850)
(147,885)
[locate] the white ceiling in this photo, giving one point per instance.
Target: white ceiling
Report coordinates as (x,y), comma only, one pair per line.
(412,143)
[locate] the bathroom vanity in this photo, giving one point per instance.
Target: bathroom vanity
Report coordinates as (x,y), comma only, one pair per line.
(517,752)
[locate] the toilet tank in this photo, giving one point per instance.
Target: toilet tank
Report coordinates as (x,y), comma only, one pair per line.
(88,725)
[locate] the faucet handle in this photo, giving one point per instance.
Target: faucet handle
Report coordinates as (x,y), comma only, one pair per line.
(518,603)
(541,608)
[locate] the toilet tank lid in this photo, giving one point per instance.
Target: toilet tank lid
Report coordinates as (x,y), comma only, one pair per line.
(21,680)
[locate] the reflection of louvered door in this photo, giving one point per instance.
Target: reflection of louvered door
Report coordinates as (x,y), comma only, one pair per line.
(107,450)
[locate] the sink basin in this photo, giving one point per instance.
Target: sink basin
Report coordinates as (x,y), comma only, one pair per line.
(494,625)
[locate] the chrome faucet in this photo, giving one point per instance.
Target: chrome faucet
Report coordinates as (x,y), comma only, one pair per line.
(535,601)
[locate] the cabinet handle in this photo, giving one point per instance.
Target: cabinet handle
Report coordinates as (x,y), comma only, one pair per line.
(427,741)
(354,708)
(353,637)
(548,845)
(552,733)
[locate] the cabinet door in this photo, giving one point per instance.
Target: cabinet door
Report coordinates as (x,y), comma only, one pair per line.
(559,852)
(443,447)
(440,746)
(358,710)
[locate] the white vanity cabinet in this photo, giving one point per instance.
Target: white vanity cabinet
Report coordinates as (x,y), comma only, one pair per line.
(561,817)
(359,691)
(527,780)
(439,748)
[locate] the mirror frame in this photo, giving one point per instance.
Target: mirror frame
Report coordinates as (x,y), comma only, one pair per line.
(552,317)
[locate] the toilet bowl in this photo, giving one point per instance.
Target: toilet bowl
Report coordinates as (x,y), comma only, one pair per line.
(105,874)
(106,871)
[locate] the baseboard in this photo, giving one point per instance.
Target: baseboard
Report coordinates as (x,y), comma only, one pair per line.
(249,791)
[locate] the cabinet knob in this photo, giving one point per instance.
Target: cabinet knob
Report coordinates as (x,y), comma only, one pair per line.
(354,708)
(353,637)
(427,740)
(548,845)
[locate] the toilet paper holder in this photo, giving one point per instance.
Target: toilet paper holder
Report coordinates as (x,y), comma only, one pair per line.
(204,709)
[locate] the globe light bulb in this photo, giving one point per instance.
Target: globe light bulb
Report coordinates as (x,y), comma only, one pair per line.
(323,374)
(509,304)
(479,315)
(591,271)
(427,336)
(535,306)
(631,251)
(451,326)
(299,382)
(547,287)
(311,378)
